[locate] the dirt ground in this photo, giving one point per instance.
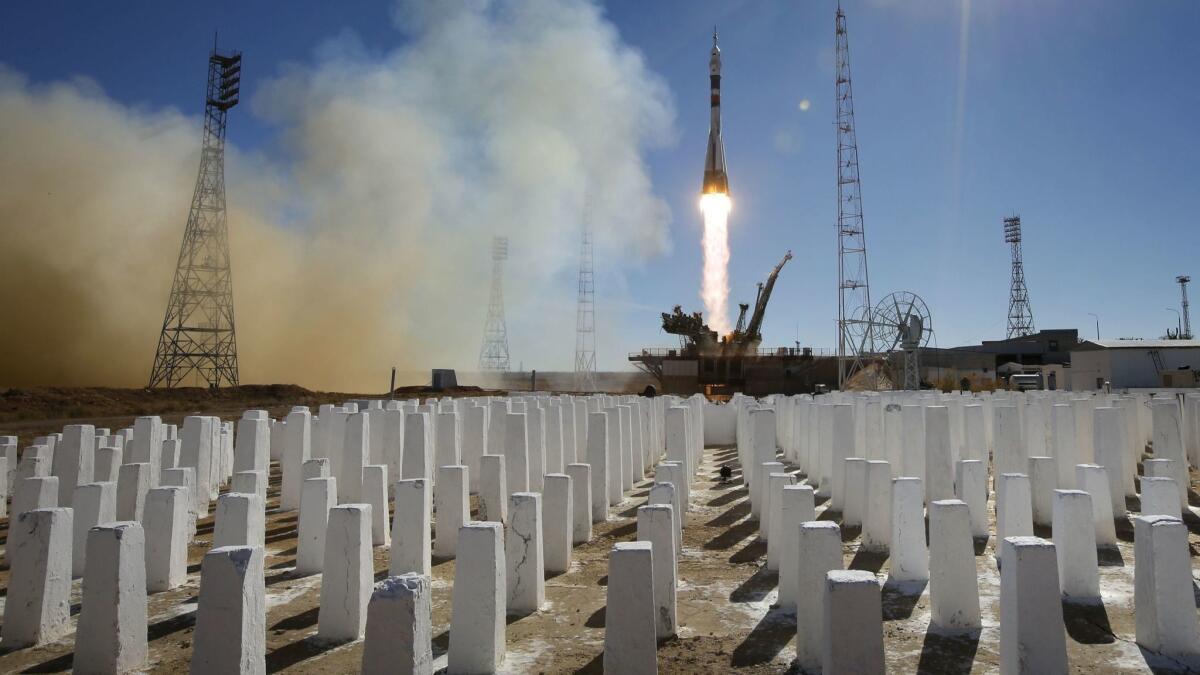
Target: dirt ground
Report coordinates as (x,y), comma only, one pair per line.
(727,621)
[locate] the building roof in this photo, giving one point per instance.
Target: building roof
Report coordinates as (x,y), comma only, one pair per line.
(1138,344)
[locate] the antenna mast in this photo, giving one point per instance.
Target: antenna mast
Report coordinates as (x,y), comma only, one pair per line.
(855,334)
(1183,280)
(585,316)
(493,354)
(197,337)
(1020,314)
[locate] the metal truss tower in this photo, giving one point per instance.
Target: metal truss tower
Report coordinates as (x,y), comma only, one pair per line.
(1020,314)
(198,342)
(1183,280)
(493,355)
(855,333)
(585,315)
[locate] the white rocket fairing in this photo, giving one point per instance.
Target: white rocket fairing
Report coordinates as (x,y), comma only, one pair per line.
(715,178)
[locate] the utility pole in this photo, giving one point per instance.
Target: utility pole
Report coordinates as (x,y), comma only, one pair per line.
(855,334)
(493,354)
(1020,314)
(198,337)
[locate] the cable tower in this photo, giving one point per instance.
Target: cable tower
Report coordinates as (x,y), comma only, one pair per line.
(493,355)
(198,342)
(585,315)
(1020,315)
(1183,280)
(855,339)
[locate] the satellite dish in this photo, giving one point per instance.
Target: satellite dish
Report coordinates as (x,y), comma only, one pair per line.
(901,321)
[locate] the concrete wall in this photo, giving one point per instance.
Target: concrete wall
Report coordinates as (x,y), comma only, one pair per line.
(1127,367)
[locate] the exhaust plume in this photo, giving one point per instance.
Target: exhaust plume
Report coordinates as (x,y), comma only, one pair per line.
(360,240)
(715,284)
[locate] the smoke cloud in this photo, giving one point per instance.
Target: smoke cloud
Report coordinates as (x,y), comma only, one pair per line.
(362,239)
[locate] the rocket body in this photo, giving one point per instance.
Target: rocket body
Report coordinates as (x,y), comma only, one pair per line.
(715,178)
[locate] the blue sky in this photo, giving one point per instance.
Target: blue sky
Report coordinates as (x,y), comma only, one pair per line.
(1078,116)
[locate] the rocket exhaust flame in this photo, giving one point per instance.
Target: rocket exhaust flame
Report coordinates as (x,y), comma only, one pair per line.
(715,287)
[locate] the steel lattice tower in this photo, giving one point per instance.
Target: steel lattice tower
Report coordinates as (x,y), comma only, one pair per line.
(1183,280)
(585,315)
(1020,314)
(493,355)
(198,338)
(855,338)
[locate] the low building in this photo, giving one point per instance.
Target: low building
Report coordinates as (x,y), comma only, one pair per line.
(1130,364)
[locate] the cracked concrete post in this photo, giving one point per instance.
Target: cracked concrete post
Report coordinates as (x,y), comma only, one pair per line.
(38,606)
(523,553)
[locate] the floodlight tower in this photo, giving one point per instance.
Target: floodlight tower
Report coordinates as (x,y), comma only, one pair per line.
(1020,315)
(493,355)
(197,338)
(855,339)
(585,316)
(1183,280)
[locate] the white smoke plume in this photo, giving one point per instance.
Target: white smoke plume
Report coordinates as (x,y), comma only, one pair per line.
(362,240)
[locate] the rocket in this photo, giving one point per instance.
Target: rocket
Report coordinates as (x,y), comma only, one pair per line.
(715,178)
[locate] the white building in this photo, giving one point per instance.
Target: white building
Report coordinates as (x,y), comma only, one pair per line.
(1134,364)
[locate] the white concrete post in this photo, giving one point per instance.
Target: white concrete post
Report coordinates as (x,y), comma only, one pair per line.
(184,477)
(399,634)
(798,506)
(354,457)
(762,424)
(843,447)
(676,474)
(111,635)
(38,608)
(474,442)
(37,492)
(597,459)
(974,433)
(953,583)
(629,625)
(1075,545)
(477,616)
(909,554)
(349,573)
(1164,603)
(297,447)
(1043,476)
(1168,442)
(912,422)
(169,455)
(523,551)
(854,505)
(452,506)
(132,484)
(615,464)
(417,458)
(665,493)
(95,504)
(411,536)
(375,493)
(1160,497)
(252,444)
(1110,453)
(317,496)
(231,619)
(448,443)
(1014,506)
(853,617)
(240,520)
(877,518)
(166,537)
(535,437)
(939,466)
(655,524)
(72,460)
(762,475)
(1032,634)
(776,482)
(147,441)
(971,487)
(316,468)
(1010,455)
(558,525)
(516,453)
(251,483)
(581,502)
(1093,479)
(107,464)
(493,489)
(820,550)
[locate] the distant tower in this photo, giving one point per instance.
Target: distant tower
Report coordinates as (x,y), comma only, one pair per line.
(585,315)
(855,335)
(493,355)
(1020,315)
(1187,319)
(197,337)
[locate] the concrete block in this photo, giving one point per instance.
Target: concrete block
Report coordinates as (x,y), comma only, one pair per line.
(146,446)
(909,554)
(349,574)
(853,617)
(375,493)
(655,524)
(133,482)
(516,453)
(168,456)
(240,520)
(417,458)
(73,460)
(447,441)
(230,635)
(1032,634)
(95,504)
(37,608)
(843,446)
(1160,497)
(166,530)
(628,461)
(199,450)
(1163,598)
(1043,476)
(316,468)
(939,466)
(615,463)
(317,496)
(525,574)
(597,459)
(877,517)
(558,522)
(820,551)
(629,624)
(798,506)
(676,473)
(581,502)
(912,421)
(111,635)
(1010,452)
(1168,441)
(252,444)
(493,489)
(474,442)
(1014,506)
(535,436)
(953,583)
(453,508)
(1065,449)
(855,501)
(38,492)
(971,487)
(1093,479)
(399,632)
(107,464)
(776,482)
(251,483)
(184,477)
(411,528)
(1075,546)
(355,454)
(477,617)
(1111,453)
(297,448)
(665,493)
